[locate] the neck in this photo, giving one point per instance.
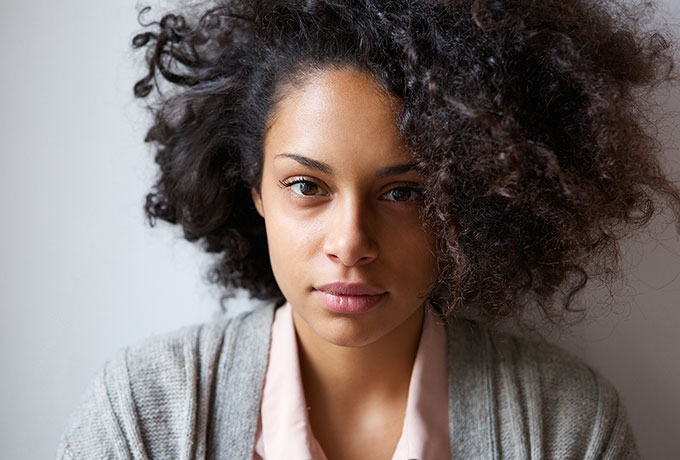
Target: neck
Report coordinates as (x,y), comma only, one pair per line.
(352,380)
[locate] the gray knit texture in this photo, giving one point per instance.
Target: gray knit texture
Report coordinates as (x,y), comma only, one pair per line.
(194,394)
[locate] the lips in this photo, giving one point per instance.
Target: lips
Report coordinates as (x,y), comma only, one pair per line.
(349,298)
(342,288)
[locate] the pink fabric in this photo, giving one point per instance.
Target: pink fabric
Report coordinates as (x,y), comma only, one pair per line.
(283,431)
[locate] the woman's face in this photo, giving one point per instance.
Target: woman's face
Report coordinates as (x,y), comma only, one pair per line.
(341,204)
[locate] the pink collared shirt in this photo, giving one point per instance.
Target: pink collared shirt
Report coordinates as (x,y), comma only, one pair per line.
(283,431)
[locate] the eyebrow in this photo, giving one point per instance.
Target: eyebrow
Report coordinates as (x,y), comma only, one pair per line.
(326,168)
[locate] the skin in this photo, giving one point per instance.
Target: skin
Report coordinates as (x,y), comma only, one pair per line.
(346,224)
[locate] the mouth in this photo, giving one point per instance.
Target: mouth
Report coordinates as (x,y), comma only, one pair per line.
(349,298)
(341,288)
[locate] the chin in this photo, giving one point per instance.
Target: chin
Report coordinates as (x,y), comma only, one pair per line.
(343,333)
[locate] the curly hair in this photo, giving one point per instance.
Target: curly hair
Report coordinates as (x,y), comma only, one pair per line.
(530,121)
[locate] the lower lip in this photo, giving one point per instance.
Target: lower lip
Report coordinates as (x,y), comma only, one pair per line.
(349,304)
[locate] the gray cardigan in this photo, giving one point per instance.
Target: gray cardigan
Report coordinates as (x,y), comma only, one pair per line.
(194,394)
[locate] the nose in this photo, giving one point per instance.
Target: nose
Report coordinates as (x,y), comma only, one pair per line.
(349,240)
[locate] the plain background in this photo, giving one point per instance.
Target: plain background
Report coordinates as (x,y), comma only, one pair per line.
(83,275)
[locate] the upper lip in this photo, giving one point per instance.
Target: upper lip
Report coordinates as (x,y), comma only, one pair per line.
(342,288)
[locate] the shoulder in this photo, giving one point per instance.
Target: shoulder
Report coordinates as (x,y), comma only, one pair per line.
(547,397)
(144,401)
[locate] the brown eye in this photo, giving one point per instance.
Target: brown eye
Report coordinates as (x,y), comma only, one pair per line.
(403,194)
(304,187)
(400,194)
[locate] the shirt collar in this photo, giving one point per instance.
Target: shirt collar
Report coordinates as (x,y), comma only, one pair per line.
(285,422)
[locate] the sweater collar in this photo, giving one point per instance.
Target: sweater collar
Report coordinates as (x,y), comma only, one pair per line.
(242,366)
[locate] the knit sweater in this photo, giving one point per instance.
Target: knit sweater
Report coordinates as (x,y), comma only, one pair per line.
(195,394)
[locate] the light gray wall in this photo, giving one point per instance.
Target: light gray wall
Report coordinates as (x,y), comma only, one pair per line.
(79,262)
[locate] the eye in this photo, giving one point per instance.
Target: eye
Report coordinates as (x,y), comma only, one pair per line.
(404,193)
(303,187)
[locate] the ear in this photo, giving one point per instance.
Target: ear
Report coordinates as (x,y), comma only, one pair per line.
(257,200)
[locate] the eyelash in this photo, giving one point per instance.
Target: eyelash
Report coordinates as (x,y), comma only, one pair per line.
(302,180)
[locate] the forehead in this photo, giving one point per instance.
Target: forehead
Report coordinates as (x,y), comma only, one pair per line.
(337,112)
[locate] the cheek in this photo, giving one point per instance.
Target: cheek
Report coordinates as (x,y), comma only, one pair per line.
(292,243)
(412,257)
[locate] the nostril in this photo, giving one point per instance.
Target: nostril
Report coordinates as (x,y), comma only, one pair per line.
(350,259)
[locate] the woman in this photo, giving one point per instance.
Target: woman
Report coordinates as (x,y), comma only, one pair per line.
(391,178)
